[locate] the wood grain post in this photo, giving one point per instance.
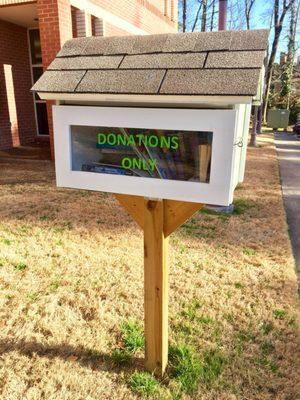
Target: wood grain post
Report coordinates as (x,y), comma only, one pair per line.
(156,287)
(158,219)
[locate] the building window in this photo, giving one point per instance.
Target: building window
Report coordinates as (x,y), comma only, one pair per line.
(78,22)
(35,46)
(97,26)
(172,10)
(84,25)
(35,54)
(165,8)
(74,23)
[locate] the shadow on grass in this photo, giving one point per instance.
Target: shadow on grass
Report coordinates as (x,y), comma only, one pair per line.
(86,357)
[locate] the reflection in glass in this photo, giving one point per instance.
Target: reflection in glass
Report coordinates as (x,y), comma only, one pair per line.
(42,118)
(163,154)
(35,46)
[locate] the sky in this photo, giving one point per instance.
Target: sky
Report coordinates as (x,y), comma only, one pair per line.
(261,16)
(261,8)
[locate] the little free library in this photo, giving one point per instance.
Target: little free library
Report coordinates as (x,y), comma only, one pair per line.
(162,122)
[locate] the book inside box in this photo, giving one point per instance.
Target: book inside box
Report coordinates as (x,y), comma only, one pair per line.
(148,153)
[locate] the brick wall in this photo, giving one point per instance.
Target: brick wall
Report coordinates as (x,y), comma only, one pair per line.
(97,26)
(55,24)
(153,16)
(17,120)
(113,30)
(80,23)
(12,2)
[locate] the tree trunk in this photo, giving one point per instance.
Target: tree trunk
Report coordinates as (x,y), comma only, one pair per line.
(254,127)
(184,15)
(213,15)
(278,24)
(292,45)
(248,7)
(259,119)
(203,19)
(269,71)
(197,17)
(248,21)
(292,33)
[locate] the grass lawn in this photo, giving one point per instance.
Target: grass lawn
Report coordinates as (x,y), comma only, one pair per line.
(71,294)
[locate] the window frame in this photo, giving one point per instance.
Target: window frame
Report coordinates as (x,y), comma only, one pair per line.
(35,99)
(224,152)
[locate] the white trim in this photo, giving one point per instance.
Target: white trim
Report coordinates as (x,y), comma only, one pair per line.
(104,27)
(152,99)
(245,133)
(239,143)
(88,24)
(221,122)
(100,12)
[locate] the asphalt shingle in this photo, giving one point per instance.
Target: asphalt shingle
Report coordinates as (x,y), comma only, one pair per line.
(198,63)
(149,44)
(182,42)
(211,82)
(208,41)
(87,62)
(73,47)
(58,81)
(164,60)
(121,81)
(235,59)
(249,39)
(110,45)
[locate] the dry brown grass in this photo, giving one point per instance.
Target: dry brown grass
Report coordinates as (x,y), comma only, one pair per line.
(71,271)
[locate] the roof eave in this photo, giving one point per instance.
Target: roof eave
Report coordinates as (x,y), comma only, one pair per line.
(148,99)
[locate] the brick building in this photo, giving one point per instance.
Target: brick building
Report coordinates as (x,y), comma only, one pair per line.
(32,32)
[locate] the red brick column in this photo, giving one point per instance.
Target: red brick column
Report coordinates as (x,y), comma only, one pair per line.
(17,120)
(55,24)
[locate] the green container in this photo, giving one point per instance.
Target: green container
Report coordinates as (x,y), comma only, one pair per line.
(278,118)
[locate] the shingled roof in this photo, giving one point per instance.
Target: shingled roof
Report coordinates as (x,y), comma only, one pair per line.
(200,63)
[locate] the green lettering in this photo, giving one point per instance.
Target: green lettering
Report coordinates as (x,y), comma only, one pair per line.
(151,164)
(101,138)
(130,140)
(111,139)
(121,140)
(153,141)
(137,163)
(165,141)
(175,142)
(140,138)
(126,163)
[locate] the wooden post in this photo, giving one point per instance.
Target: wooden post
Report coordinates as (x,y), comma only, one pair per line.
(156,287)
(158,219)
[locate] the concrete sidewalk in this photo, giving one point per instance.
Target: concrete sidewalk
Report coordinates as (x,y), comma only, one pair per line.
(288,150)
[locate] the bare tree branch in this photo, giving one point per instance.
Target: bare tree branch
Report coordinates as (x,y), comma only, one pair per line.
(197,16)
(184,15)
(204,15)
(213,3)
(278,25)
(248,7)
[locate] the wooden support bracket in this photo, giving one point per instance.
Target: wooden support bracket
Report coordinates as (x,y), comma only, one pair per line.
(158,219)
(175,213)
